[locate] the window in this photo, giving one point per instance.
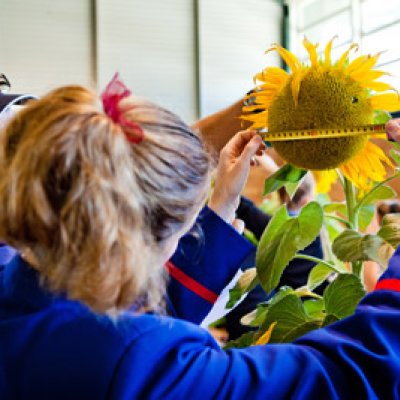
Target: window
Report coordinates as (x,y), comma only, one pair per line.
(373,24)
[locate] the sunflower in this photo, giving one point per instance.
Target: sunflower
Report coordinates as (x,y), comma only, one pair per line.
(324,94)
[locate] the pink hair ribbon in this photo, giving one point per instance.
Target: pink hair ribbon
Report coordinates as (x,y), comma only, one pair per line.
(114,92)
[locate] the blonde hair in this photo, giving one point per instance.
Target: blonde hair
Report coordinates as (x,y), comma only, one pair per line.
(92,208)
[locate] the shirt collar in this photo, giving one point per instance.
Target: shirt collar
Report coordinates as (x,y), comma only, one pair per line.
(21,283)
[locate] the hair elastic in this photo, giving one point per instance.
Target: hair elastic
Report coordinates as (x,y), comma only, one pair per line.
(114,92)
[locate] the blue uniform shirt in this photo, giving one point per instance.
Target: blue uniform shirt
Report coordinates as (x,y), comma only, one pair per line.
(55,348)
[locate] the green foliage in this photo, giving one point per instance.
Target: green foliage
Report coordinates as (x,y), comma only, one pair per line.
(294,317)
(342,295)
(318,275)
(395,153)
(291,318)
(365,216)
(315,308)
(243,341)
(245,283)
(285,175)
(353,246)
(282,239)
(292,313)
(381,117)
(377,193)
(390,230)
(250,237)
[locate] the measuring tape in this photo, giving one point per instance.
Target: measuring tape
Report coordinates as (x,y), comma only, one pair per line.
(308,134)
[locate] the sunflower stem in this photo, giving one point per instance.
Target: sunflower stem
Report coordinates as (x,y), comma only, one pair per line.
(350,203)
(358,269)
(352,212)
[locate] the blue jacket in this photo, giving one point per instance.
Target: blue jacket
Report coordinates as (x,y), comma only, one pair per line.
(55,348)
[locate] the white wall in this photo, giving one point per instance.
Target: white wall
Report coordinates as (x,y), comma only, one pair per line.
(233,37)
(45,43)
(151,44)
(154,44)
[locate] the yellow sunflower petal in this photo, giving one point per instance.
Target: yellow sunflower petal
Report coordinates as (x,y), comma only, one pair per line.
(312,51)
(370,75)
(269,86)
(379,153)
(328,51)
(250,109)
(324,180)
(271,74)
(266,336)
(367,166)
(356,63)
(342,60)
(367,65)
(290,59)
(377,86)
(275,73)
(258,117)
(386,102)
(296,82)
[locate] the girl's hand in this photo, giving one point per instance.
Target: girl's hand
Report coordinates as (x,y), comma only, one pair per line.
(232,172)
(393,129)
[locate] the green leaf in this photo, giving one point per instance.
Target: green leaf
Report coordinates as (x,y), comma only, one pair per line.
(250,237)
(243,341)
(291,318)
(257,317)
(291,188)
(381,117)
(248,281)
(395,156)
(336,207)
(353,246)
(287,174)
(330,319)
(342,295)
(390,230)
(318,275)
(221,322)
(365,216)
(333,227)
(315,308)
(279,295)
(378,193)
(395,145)
(274,226)
(281,241)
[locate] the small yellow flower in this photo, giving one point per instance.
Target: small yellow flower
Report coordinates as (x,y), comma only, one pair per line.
(324,94)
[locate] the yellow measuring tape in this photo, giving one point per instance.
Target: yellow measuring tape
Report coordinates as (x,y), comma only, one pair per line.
(327,133)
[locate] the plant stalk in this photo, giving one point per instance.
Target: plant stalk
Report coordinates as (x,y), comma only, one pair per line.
(315,259)
(352,211)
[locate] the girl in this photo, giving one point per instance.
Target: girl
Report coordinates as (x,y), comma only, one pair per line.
(96,203)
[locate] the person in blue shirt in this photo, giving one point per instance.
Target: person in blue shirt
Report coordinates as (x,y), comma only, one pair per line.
(96,201)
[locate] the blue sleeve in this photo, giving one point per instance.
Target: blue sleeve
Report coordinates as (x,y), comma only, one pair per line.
(206,260)
(355,358)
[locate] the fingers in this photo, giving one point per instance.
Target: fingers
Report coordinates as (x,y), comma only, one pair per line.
(238,142)
(393,129)
(251,149)
(238,224)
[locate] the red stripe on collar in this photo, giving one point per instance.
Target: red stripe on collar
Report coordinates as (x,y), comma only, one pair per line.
(190,283)
(388,284)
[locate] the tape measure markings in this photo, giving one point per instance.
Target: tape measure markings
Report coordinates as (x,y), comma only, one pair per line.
(309,134)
